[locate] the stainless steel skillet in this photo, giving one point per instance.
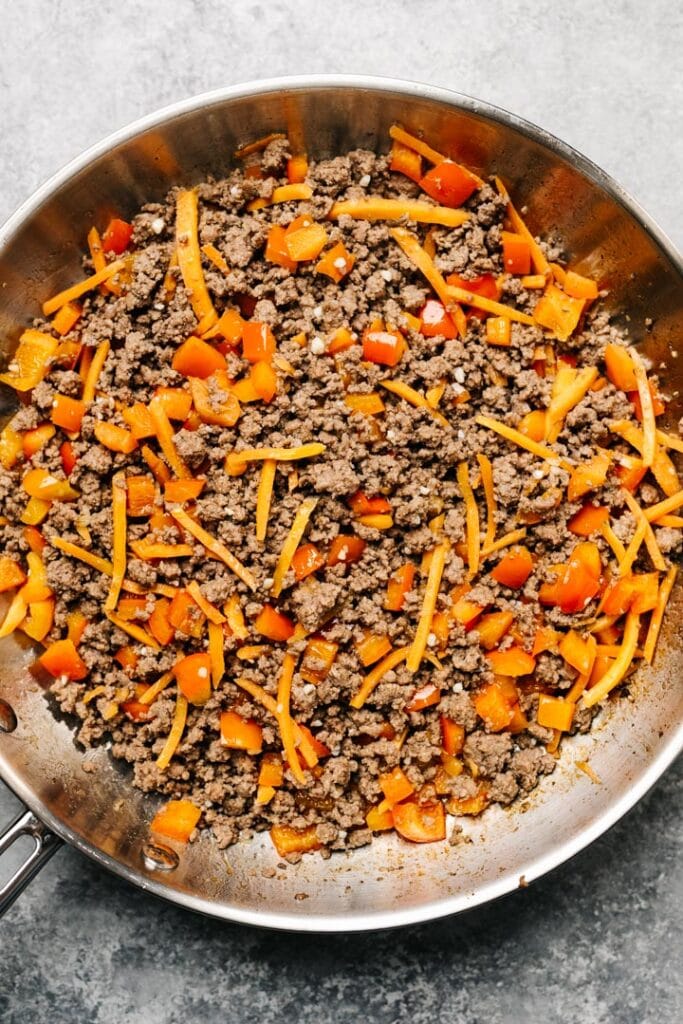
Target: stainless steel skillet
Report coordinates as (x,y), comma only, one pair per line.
(97,810)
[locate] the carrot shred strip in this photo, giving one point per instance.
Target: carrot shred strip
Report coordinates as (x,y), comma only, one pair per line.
(537,258)
(510,434)
(292,540)
(137,632)
(152,692)
(631,552)
(216,653)
(486,470)
(657,617)
(120,527)
(414,398)
(189,258)
(417,255)
(270,704)
(212,613)
(264,497)
(649,422)
(418,145)
(76,290)
(164,433)
(503,542)
(214,546)
(176,734)
(650,539)
(375,676)
(376,208)
(284,718)
(471,519)
(94,370)
(618,670)
(429,600)
(610,536)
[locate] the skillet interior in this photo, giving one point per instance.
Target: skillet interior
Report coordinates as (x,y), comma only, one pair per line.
(391,882)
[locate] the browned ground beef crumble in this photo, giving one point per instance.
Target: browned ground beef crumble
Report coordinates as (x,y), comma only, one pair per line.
(403,453)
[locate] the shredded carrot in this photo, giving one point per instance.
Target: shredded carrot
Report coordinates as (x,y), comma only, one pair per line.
(292,541)
(650,539)
(105,567)
(613,541)
(374,678)
(503,542)
(603,623)
(216,652)
(96,691)
(153,691)
(94,370)
(471,518)
(119,524)
(213,546)
(618,670)
(16,613)
(537,258)
(162,473)
(488,305)
(76,290)
(632,550)
(413,397)
(662,467)
(176,734)
(291,193)
(417,255)
(284,718)
(270,704)
(216,257)
(510,434)
(189,258)
(486,470)
(418,145)
(164,433)
(584,767)
(305,451)
(99,260)
(264,497)
(376,208)
(663,508)
(257,145)
(137,632)
(669,441)
(577,687)
(648,412)
(657,617)
(235,616)
(429,600)
(675,522)
(212,613)
(252,652)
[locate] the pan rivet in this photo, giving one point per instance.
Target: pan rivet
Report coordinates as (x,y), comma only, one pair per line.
(157,857)
(8,720)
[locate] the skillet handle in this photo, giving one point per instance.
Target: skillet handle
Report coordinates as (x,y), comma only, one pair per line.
(45,843)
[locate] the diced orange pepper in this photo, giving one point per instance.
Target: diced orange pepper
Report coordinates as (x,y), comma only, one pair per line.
(273,624)
(513,662)
(62,659)
(318,659)
(66,318)
(336,263)
(196,358)
(130,608)
(577,582)
(494,707)
(420,823)
(34,539)
(177,820)
(193,675)
(558,312)
(67,413)
(436,322)
(117,236)
(276,249)
(241,733)
(630,472)
(305,243)
(533,425)
(11,574)
(271,772)
(588,520)
(68,457)
(484,285)
(588,476)
(345,549)
(546,639)
(396,786)
(185,615)
(127,658)
(463,610)
(452,735)
(492,628)
(404,160)
(441,628)
(306,560)
(135,710)
(139,419)
(471,806)
(514,568)
(140,495)
(39,483)
(369,405)
(217,401)
(34,440)
(258,342)
(516,253)
(448,183)
(159,623)
(579,287)
(382,346)
(175,402)
(372,647)
(361,505)
(287,840)
(179,491)
(555,713)
(399,584)
(578,653)
(10,446)
(116,438)
(230,326)
(264,379)
(379,820)
(76,623)
(297,169)
(319,748)
(341,340)
(424,697)
(620,369)
(646,590)
(499,331)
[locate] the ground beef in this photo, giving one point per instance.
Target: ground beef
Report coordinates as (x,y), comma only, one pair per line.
(383,488)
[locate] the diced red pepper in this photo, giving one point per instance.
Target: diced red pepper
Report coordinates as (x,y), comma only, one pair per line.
(435,321)
(448,183)
(117,236)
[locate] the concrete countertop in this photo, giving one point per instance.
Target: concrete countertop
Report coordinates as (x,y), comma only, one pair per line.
(598,941)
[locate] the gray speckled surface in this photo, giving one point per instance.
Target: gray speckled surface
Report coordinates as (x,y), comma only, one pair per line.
(598,941)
